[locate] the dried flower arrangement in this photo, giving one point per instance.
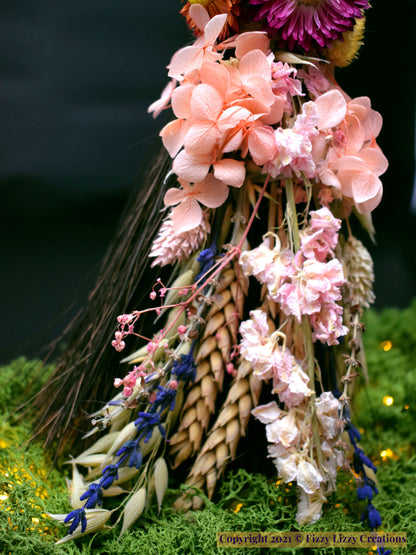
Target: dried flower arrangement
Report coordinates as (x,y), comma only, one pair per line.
(261,313)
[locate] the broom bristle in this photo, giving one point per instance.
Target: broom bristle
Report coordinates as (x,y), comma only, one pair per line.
(86,370)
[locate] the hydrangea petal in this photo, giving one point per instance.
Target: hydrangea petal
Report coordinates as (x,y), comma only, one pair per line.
(231,172)
(332,109)
(186,216)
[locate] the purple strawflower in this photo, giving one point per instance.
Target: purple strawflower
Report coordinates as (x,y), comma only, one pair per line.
(309,22)
(110,473)
(77,517)
(94,496)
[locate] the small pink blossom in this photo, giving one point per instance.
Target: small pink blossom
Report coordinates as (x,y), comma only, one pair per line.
(118,345)
(321,236)
(256,344)
(152,346)
(327,324)
(125,318)
(266,264)
(294,146)
(290,382)
(309,286)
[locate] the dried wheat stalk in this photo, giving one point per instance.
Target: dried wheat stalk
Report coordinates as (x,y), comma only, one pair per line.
(221,444)
(212,357)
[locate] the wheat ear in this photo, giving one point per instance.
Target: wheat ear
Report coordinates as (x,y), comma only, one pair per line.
(211,359)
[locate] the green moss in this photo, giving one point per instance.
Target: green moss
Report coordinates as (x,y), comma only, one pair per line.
(244,501)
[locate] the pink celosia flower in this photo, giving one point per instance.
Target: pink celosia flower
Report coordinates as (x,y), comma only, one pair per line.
(170,247)
(203,49)
(310,23)
(188,214)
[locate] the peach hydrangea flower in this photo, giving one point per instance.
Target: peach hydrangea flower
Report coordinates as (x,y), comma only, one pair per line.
(203,50)
(188,214)
(354,162)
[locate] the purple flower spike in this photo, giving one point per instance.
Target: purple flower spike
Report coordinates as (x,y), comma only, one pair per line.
(77,517)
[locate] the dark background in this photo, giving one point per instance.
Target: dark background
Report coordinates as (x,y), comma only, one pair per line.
(76,81)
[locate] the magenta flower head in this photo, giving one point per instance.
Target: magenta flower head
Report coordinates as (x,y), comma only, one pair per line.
(309,23)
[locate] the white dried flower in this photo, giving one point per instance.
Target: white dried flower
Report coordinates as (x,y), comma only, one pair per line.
(170,247)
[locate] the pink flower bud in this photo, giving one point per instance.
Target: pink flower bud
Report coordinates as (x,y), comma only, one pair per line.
(151,347)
